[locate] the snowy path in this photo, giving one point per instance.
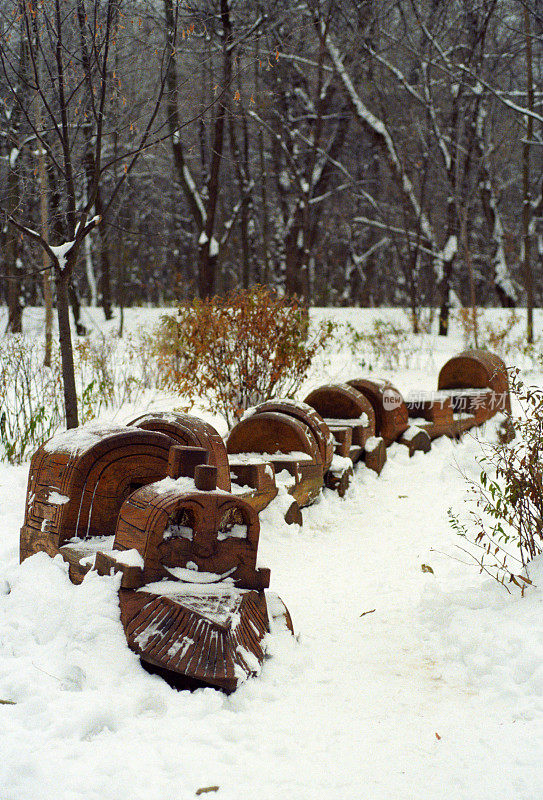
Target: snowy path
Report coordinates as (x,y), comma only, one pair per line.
(350,711)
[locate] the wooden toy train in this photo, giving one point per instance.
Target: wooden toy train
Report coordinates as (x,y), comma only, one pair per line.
(174,509)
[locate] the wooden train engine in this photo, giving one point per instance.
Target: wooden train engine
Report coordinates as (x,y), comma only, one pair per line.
(131,501)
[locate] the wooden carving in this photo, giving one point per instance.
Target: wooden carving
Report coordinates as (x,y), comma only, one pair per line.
(206,622)
(339,478)
(273,433)
(477,369)
(343,439)
(391,416)
(253,480)
(192,432)
(79,480)
(205,531)
(214,638)
(375,454)
(350,436)
(306,414)
(290,447)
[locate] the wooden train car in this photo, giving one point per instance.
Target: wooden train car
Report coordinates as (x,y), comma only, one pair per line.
(337,471)
(79,479)
(351,420)
(288,444)
(346,412)
(391,415)
(435,413)
(309,417)
(477,383)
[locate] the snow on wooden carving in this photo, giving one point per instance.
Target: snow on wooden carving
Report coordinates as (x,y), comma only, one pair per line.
(414,438)
(375,453)
(348,414)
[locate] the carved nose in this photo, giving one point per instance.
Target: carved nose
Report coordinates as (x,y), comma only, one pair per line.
(203,544)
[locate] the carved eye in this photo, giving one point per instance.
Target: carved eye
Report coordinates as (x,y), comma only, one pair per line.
(181,525)
(233,525)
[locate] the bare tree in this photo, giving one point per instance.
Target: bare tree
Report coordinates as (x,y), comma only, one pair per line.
(70,88)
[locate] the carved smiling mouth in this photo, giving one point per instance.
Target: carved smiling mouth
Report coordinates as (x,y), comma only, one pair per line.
(193,576)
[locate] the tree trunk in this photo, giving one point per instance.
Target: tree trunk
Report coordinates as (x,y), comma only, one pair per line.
(12,250)
(207,267)
(76,310)
(66,350)
(105,272)
(47,274)
(527,199)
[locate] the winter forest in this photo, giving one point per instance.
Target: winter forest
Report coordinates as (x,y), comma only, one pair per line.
(353,153)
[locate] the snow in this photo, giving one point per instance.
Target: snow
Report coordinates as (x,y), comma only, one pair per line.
(189,181)
(57,499)
(213,247)
(435,694)
(130,558)
(93,544)
(339,464)
(13,156)
(258,458)
(61,252)
(372,443)
(193,576)
(450,249)
(77,440)
(235,532)
(361,420)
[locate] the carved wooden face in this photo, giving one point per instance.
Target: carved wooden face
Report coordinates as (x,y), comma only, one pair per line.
(211,534)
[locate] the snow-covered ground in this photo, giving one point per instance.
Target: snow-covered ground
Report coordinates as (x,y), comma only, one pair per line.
(436,693)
